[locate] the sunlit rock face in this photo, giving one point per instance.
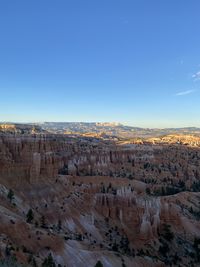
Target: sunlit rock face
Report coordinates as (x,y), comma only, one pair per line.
(28,158)
(44,156)
(95,199)
(140,215)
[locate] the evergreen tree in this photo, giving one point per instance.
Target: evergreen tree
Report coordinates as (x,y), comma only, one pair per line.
(10,195)
(148,191)
(98,264)
(29,216)
(49,262)
(43,222)
(32,261)
(59,225)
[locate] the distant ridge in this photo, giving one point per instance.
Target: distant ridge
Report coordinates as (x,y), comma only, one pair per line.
(20,128)
(114,128)
(109,128)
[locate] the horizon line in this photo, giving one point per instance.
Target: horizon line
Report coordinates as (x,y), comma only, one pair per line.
(96,122)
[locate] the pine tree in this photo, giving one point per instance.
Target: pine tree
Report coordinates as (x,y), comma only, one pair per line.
(10,195)
(43,222)
(98,264)
(29,216)
(49,262)
(59,225)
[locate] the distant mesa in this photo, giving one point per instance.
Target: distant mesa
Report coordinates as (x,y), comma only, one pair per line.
(18,128)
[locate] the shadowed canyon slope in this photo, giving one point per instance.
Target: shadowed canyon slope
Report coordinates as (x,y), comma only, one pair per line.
(125,203)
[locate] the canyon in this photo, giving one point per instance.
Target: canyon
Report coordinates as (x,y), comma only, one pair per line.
(123,202)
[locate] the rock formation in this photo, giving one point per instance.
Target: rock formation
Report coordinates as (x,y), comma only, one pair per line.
(127,203)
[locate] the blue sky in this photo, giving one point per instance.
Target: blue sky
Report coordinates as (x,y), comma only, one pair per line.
(132,61)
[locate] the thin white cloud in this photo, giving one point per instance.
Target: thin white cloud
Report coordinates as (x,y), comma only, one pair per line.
(196,76)
(185,92)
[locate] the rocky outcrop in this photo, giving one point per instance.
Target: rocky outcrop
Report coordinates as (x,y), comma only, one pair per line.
(17,128)
(131,203)
(33,157)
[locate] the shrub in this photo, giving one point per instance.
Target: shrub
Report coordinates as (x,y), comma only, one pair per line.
(148,191)
(167,233)
(98,264)
(29,216)
(10,262)
(49,262)
(10,195)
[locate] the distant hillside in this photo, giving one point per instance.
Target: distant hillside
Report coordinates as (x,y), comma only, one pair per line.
(94,129)
(20,128)
(113,129)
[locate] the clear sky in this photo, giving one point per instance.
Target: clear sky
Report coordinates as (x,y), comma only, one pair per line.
(131,61)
